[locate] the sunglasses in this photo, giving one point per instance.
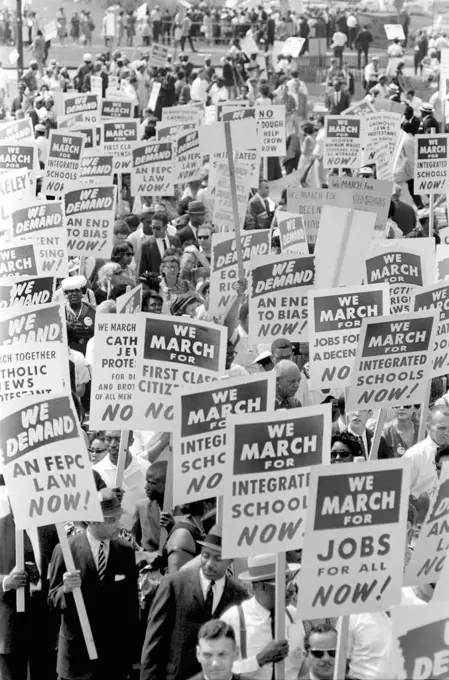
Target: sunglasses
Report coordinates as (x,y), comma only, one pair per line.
(341,454)
(404,406)
(203,238)
(319,653)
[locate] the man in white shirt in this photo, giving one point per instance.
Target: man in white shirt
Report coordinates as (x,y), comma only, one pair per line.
(372,73)
(423,472)
(199,88)
(253,623)
(82,372)
(351,23)
(134,476)
(219,92)
(320,644)
(339,40)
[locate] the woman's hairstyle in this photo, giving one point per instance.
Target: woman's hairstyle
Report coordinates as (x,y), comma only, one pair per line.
(181,302)
(348,440)
(107,271)
(121,249)
(172,254)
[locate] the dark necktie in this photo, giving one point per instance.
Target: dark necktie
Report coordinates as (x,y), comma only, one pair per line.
(101,561)
(362,446)
(209,601)
(267,207)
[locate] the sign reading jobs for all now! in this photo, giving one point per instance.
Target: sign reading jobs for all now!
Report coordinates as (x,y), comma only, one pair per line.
(89,216)
(62,168)
(152,169)
(278,297)
(140,359)
(355,539)
(432,164)
(45,463)
(266,484)
(393,363)
(200,434)
(344,142)
(334,322)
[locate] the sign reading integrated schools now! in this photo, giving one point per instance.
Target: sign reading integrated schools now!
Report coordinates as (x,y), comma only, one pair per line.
(152,169)
(278,297)
(266,477)
(431,164)
(393,363)
(224,270)
(89,216)
(118,137)
(45,463)
(200,435)
(343,142)
(140,358)
(63,164)
(355,539)
(421,640)
(334,322)
(437,297)
(26,292)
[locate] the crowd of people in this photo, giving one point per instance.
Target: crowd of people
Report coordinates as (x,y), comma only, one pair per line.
(162,602)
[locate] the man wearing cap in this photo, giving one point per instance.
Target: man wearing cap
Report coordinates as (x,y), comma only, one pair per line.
(80,316)
(106,573)
(254,624)
(188,235)
(428,122)
(183,603)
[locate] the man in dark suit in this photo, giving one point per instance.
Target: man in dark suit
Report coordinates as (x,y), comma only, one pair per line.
(188,235)
(337,100)
(25,638)
(106,574)
(182,604)
(404,215)
(259,206)
(216,651)
(428,120)
(356,425)
(154,248)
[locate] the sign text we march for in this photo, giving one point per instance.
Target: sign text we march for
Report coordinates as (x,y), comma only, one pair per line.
(278,297)
(437,297)
(267,471)
(343,142)
(64,158)
(118,137)
(89,216)
(200,431)
(20,258)
(393,363)
(432,164)
(334,322)
(355,539)
(45,463)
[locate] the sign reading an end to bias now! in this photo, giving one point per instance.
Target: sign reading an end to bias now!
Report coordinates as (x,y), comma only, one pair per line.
(393,363)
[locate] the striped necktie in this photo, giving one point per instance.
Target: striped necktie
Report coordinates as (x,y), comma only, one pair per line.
(101,562)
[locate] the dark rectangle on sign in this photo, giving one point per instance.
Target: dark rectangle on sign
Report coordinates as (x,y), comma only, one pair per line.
(377,494)
(297,443)
(31,324)
(396,268)
(424,650)
(428,150)
(37,291)
(332,315)
(433,300)
(22,261)
(413,335)
(162,343)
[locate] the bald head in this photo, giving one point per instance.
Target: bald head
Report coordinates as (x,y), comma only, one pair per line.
(288,377)
(438,424)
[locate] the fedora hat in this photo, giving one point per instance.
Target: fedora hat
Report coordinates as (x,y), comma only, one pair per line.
(110,504)
(213,539)
(263,568)
(196,208)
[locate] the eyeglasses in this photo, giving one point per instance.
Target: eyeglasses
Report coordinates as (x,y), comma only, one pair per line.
(91,450)
(203,238)
(341,454)
(319,653)
(404,406)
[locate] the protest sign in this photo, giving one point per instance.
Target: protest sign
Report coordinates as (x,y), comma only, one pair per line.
(43,224)
(354,543)
(384,162)
(344,238)
(116,108)
(17,131)
(189,160)
(394,31)
(154,95)
(266,477)
(223,217)
(15,189)
(436,297)
(180,115)
(45,463)
(117,139)
(368,195)
(393,362)
(130,302)
(170,133)
(27,292)
(224,270)
(271,129)
(334,321)
(89,216)
(158,55)
(51,30)
(248,44)
(88,105)
(92,135)
(249,156)
(199,443)
(362,108)
(442,262)
(432,164)
(164,352)
(33,354)
(444,236)
(429,555)
(243,136)
(343,142)
(292,233)
(293,46)
(96,85)
(113,86)
(70,121)
(20,258)
(379,128)
(381,104)
(19,156)
(404,265)
(231,113)
(309,203)
(96,170)
(152,169)
(419,649)
(278,297)
(63,164)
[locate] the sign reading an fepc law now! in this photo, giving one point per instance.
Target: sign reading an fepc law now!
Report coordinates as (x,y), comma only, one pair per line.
(354,543)
(152,169)
(432,164)
(393,363)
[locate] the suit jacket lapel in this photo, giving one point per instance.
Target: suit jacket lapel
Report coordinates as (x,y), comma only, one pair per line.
(225,599)
(197,591)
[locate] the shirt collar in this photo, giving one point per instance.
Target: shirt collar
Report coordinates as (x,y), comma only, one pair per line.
(205,581)
(260,611)
(95,542)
